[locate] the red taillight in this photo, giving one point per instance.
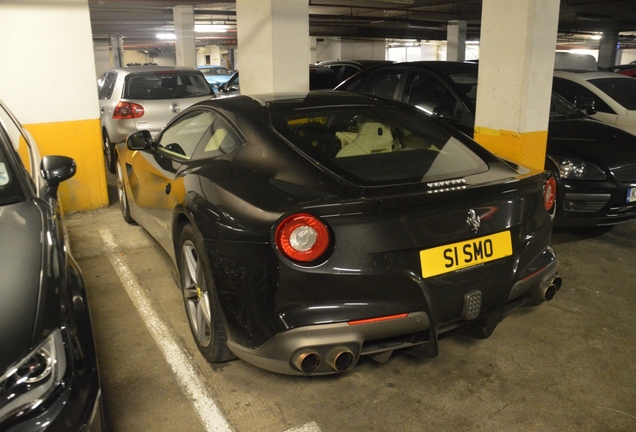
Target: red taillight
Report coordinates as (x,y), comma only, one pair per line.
(128,110)
(302,237)
(549,193)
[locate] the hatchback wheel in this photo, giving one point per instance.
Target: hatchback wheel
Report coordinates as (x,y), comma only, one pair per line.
(200,298)
(109,154)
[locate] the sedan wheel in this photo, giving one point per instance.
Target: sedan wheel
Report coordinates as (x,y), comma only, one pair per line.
(123,197)
(199,296)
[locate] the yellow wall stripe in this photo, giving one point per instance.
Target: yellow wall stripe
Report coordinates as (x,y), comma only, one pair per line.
(525,148)
(81,140)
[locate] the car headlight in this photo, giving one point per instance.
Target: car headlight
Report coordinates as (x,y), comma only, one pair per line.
(577,169)
(28,383)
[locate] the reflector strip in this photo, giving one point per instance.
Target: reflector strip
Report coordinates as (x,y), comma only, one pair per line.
(533,274)
(378,319)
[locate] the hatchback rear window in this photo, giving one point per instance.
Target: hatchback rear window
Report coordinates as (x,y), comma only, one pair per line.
(378,146)
(166,86)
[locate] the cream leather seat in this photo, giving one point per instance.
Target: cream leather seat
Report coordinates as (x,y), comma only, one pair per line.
(373,137)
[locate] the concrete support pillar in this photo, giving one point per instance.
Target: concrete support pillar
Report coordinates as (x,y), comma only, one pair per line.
(61,111)
(456,40)
(185,46)
(516,66)
(117,47)
(102,57)
(274,40)
(607,49)
(312,50)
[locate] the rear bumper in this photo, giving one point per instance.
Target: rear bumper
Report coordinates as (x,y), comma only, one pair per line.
(286,351)
(330,348)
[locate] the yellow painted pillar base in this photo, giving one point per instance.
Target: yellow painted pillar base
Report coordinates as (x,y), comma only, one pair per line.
(524,148)
(81,140)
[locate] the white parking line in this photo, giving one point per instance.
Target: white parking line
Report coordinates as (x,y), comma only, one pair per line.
(185,371)
(308,427)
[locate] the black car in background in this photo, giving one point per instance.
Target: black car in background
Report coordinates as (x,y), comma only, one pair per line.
(348,68)
(311,230)
(48,367)
(320,78)
(595,163)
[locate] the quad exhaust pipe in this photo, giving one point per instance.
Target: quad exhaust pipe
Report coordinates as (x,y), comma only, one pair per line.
(548,292)
(308,361)
(340,359)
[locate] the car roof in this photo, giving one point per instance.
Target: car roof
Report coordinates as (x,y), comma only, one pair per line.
(313,98)
(365,63)
(442,67)
(586,75)
(152,68)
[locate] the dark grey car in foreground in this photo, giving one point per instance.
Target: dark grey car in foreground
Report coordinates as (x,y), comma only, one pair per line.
(48,366)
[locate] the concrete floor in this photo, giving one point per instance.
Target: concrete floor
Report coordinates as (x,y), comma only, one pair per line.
(567,365)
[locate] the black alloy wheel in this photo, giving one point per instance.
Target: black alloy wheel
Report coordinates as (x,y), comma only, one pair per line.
(109,153)
(200,298)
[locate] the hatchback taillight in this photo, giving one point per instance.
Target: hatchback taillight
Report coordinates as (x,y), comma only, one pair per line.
(302,237)
(549,193)
(128,110)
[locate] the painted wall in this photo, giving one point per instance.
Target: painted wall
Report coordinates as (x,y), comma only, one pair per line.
(337,49)
(59,109)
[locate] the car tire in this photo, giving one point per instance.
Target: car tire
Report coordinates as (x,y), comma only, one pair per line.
(123,196)
(201,299)
(109,153)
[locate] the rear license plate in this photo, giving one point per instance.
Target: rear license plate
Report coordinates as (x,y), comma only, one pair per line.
(456,256)
(631,195)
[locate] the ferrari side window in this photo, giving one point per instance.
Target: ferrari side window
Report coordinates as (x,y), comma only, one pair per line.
(181,138)
(219,139)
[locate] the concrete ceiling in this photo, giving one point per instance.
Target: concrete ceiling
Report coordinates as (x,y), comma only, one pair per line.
(138,22)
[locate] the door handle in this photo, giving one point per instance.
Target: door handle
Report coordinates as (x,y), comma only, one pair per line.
(168,189)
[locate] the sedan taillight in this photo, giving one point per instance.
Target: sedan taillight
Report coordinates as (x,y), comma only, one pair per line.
(128,110)
(549,193)
(302,237)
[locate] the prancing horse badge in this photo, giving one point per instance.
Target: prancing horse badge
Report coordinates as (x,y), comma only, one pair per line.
(473,221)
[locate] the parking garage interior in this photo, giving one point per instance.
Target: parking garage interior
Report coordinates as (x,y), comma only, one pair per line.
(565,365)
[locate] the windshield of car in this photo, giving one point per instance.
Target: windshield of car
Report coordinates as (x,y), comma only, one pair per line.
(10,190)
(165,85)
(216,71)
(370,145)
(466,84)
(622,90)
(560,107)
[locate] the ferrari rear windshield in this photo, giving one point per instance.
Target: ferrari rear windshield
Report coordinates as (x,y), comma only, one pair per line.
(371,145)
(148,86)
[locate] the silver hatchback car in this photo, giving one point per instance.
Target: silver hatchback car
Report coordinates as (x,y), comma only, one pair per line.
(145,98)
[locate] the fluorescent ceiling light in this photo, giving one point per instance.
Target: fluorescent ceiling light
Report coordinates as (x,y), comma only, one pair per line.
(210,28)
(166,36)
(596,37)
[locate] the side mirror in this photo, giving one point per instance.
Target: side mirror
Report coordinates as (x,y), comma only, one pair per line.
(588,104)
(443,112)
(141,140)
(56,169)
